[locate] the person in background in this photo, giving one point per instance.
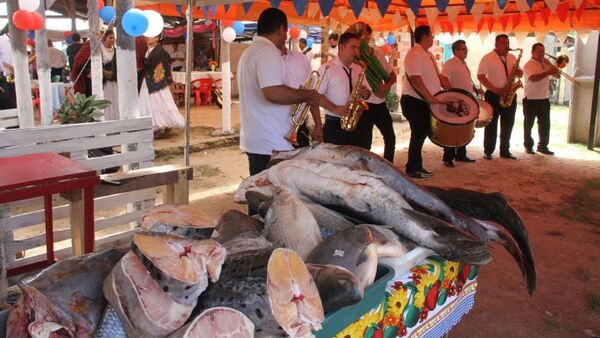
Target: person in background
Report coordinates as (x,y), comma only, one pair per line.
(458,74)
(73,48)
(57,60)
(141,46)
(536,103)
(307,51)
(109,72)
(8,98)
(155,96)
(333,46)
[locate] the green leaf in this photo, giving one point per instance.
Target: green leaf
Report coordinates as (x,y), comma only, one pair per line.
(369,332)
(390,332)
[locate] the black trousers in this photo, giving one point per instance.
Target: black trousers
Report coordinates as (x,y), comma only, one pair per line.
(507,120)
(418,114)
(8,98)
(381,118)
(257,162)
(56,71)
(539,109)
(360,137)
(452,153)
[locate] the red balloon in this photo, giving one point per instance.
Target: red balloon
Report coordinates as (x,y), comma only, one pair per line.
(294,32)
(67,34)
(22,19)
(30,42)
(226,23)
(387,49)
(37,21)
(100,4)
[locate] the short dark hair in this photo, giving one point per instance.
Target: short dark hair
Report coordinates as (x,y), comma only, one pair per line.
(368,29)
(302,40)
(76,37)
(456,44)
(501,36)
(270,20)
(536,45)
(334,37)
(347,37)
(421,31)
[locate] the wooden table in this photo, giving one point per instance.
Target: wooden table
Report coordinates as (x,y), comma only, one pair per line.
(44,174)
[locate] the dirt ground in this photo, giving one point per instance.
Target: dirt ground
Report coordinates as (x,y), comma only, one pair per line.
(557,197)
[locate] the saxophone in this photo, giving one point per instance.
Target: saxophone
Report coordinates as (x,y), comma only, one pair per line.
(355,105)
(513,83)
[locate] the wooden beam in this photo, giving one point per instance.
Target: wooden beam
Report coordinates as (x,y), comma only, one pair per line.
(126,67)
(21,69)
(143,179)
(43,70)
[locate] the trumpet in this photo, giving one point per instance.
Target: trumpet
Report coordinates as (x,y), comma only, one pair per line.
(561,62)
(300,110)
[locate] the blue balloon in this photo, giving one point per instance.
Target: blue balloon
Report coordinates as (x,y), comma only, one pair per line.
(309,42)
(31,35)
(238,27)
(107,13)
(391,39)
(70,40)
(134,22)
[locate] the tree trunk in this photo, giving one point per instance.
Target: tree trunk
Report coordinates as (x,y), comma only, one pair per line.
(43,70)
(21,69)
(126,67)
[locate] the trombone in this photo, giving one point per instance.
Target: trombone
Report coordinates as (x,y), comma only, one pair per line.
(561,62)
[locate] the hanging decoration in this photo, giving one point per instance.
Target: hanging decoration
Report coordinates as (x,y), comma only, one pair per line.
(313,9)
(275,3)
(523,6)
(357,6)
(411,17)
(552,4)
(490,23)
(459,26)
(469,5)
(545,13)
(530,3)
(22,19)
(441,4)
(397,19)
(580,10)
(504,22)
(562,10)
(383,5)
(300,6)
(179,9)
(100,4)
(498,12)
(30,42)
(521,36)
(238,27)
(476,11)
(374,14)
(134,22)
(37,21)
(531,16)
(480,25)
(294,32)
(502,4)
(31,35)
(107,14)
(431,13)
(391,39)
(516,20)
(414,6)
(69,40)
(156,23)
(578,3)
(309,42)
(226,23)
(226,7)
(342,11)
(386,49)
(29,5)
(452,12)
(326,6)
(246,6)
(228,35)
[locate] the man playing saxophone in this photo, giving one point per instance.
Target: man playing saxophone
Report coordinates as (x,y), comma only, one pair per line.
(498,71)
(338,84)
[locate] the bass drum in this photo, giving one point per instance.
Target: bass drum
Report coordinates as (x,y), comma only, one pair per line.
(453,119)
(486,114)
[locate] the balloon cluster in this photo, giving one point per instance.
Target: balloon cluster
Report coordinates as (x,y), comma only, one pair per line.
(295,33)
(390,41)
(26,17)
(233,29)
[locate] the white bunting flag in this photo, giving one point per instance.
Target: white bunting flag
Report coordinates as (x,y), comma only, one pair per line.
(521,36)
(410,16)
(552,4)
(397,19)
(313,9)
(342,11)
(432,13)
(452,12)
(523,6)
(477,10)
(497,10)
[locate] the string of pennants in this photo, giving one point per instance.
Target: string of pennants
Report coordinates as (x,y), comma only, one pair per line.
(451,22)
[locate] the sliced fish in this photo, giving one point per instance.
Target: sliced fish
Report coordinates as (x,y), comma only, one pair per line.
(293,294)
(338,287)
(179,220)
(180,266)
(48,330)
(143,308)
(218,322)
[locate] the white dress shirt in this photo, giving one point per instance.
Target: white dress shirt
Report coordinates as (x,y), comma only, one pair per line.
(296,70)
(5,53)
(537,90)
(388,68)
(420,62)
(458,73)
(56,58)
(335,83)
(492,66)
(263,124)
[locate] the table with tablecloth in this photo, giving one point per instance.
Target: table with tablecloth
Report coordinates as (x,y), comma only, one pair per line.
(57,90)
(424,300)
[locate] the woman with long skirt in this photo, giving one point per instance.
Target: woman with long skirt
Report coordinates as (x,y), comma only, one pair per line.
(156,99)
(109,78)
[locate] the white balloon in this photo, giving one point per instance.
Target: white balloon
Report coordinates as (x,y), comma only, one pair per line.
(229,34)
(379,42)
(303,34)
(156,23)
(29,5)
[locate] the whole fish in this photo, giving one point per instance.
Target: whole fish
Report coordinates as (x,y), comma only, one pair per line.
(338,287)
(329,221)
(218,322)
(364,196)
(179,220)
(289,223)
(234,223)
(248,241)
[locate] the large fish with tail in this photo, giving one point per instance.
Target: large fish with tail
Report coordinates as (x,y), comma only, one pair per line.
(493,207)
(364,196)
(418,197)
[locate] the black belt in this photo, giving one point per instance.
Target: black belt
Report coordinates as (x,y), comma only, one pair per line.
(331,117)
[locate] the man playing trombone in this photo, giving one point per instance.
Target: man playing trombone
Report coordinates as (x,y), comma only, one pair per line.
(536,103)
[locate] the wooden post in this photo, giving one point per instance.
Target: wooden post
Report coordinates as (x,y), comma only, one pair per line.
(77,213)
(188,79)
(4,213)
(43,70)
(126,67)
(21,68)
(225,83)
(96,57)
(72,15)
(594,108)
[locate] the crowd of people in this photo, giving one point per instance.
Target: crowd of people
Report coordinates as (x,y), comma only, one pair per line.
(271,79)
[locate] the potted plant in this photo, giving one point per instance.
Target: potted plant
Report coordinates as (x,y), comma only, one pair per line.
(392,100)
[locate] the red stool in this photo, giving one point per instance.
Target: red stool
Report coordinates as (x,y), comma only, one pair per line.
(202,87)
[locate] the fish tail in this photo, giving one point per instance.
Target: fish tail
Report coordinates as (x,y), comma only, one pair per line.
(524,259)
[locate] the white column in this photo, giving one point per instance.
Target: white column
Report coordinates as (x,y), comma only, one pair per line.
(96,57)
(43,70)
(225,83)
(126,67)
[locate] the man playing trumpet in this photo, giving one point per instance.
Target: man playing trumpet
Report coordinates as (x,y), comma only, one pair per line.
(536,103)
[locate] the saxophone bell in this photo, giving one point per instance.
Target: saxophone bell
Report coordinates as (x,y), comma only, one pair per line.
(513,83)
(355,105)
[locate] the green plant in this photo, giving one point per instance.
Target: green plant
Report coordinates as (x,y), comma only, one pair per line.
(80,109)
(392,100)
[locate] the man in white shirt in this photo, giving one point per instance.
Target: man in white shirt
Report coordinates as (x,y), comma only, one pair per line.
(420,83)
(333,46)
(458,74)
(264,98)
(536,103)
(57,60)
(7,90)
(494,71)
(338,83)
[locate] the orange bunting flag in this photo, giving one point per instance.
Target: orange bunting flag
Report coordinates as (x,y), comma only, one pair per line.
(531,15)
(563,10)
(459,25)
(580,9)
(516,20)
(490,22)
(480,25)
(504,22)
(545,12)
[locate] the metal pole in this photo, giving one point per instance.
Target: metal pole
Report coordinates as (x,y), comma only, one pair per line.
(188,78)
(594,112)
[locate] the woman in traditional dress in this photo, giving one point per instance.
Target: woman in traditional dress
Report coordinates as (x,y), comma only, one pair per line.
(155,96)
(109,75)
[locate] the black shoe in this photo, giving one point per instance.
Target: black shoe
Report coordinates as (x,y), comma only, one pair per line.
(487,156)
(464,159)
(416,175)
(546,151)
(529,150)
(508,156)
(449,164)
(425,172)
